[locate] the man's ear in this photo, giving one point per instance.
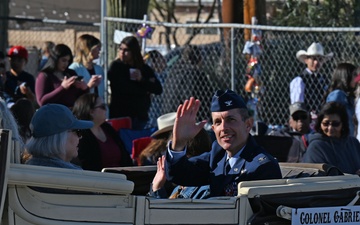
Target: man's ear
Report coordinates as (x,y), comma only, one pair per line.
(291,123)
(249,123)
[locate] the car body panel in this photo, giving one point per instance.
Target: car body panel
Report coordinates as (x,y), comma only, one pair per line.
(5,148)
(107,198)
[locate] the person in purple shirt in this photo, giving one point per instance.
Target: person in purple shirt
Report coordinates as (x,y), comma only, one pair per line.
(58,84)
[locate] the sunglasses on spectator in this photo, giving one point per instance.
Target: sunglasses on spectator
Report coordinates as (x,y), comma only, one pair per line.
(102,106)
(300,117)
(317,58)
(332,123)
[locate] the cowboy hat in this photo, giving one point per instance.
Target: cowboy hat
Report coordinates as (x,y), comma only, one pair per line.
(315,49)
(165,123)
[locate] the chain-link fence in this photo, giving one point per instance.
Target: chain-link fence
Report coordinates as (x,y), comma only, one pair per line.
(32,33)
(218,62)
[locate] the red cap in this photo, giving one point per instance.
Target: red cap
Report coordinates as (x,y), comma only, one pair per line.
(18,51)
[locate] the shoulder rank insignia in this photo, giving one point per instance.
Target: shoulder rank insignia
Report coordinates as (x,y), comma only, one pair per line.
(262,159)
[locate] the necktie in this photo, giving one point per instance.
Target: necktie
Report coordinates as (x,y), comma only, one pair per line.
(227,167)
(231,188)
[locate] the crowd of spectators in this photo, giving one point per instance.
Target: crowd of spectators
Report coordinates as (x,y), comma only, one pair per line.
(61,117)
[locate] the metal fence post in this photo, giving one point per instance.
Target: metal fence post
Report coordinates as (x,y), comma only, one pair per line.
(104,55)
(232,42)
(143,45)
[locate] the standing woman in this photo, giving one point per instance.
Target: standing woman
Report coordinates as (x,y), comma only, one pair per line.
(342,90)
(86,51)
(332,143)
(131,83)
(100,145)
(56,83)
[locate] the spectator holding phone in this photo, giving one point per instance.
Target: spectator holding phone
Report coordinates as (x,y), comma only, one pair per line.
(86,51)
(132,82)
(56,83)
(17,82)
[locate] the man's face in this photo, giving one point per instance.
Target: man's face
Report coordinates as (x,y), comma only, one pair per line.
(314,63)
(17,63)
(300,122)
(230,130)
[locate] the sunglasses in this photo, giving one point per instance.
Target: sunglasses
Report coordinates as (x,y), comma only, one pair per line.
(102,106)
(77,132)
(332,123)
(317,58)
(300,117)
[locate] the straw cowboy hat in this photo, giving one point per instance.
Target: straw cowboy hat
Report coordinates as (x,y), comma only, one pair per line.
(315,49)
(165,123)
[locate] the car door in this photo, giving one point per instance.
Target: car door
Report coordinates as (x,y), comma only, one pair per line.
(5,143)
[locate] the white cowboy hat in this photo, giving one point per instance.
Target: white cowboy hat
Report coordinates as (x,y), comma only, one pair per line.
(165,123)
(315,49)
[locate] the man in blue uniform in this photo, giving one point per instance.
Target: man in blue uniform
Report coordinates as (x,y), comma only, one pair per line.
(234,156)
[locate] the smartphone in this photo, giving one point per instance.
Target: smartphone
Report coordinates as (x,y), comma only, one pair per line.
(24,84)
(79,78)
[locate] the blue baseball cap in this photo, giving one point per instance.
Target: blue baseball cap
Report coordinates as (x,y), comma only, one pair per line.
(53,119)
(226,100)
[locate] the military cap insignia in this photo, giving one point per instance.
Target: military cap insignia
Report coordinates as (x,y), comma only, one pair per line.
(228,103)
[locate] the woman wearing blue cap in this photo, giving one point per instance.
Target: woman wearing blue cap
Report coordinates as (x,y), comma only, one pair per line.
(55,137)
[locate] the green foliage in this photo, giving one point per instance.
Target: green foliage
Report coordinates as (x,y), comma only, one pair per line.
(315,13)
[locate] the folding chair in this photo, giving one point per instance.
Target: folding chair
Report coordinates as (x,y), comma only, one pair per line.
(138,146)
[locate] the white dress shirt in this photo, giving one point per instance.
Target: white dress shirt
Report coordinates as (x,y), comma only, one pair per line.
(297,89)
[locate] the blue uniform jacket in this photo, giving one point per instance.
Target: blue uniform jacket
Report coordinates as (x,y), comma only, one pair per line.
(254,163)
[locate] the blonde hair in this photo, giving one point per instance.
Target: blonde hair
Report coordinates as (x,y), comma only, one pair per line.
(84,44)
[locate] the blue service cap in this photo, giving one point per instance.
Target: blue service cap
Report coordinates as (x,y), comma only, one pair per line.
(226,100)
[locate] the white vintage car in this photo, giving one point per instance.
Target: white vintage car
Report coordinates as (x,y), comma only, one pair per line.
(306,195)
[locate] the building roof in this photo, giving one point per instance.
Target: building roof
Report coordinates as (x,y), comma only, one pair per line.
(71,10)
